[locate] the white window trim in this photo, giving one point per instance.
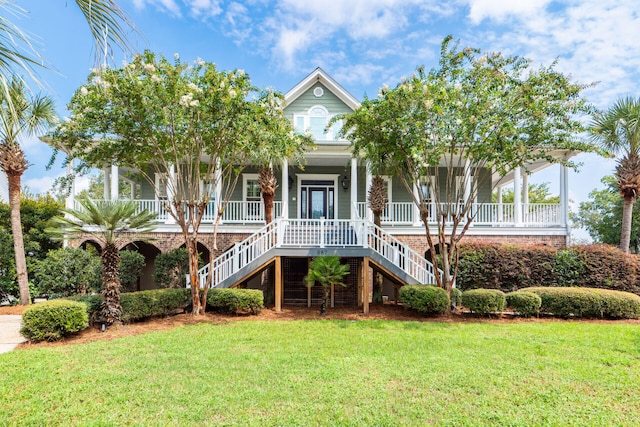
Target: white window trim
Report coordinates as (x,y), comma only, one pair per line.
(317,177)
(158,185)
(306,116)
(245,178)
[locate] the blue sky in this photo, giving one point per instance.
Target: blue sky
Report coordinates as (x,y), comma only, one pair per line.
(363,44)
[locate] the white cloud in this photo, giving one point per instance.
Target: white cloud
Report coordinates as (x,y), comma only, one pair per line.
(500,10)
(166,6)
(204,8)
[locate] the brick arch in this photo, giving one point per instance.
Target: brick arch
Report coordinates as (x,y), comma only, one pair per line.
(150,251)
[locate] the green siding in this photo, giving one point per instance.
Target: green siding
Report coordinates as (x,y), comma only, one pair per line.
(331,102)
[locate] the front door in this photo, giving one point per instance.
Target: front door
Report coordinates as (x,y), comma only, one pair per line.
(317,199)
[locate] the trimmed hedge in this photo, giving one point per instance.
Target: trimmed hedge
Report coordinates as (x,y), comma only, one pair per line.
(424,298)
(588,302)
(510,268)
(53,320)
(484,301)
(158,302)
(456,297)
(235,301)
(524,303)
(141,305)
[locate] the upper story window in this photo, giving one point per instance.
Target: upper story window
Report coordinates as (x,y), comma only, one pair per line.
(315,122)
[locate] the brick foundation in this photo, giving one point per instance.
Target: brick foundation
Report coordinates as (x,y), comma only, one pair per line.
(168,241)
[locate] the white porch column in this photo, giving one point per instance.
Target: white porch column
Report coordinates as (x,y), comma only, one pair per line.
(106,193)
(367,185)
(285,188)
(171,192)
(115,183)
(525,197)
(500,210)
(467,186)
(217,179)
(564,195)
(417,221)
(354,188)
(517,204)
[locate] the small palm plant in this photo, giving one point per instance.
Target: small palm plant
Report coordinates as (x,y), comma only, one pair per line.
(328,272)
(106,221)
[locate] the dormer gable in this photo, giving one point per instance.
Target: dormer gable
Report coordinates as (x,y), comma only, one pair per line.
(320,76)
(316,100)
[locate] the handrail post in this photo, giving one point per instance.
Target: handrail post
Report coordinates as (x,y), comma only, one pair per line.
(322,231)
(364,234)
(280,227)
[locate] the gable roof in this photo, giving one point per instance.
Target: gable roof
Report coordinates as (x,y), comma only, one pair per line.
(319,75)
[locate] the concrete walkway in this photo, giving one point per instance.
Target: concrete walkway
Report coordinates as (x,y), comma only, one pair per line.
(10,337)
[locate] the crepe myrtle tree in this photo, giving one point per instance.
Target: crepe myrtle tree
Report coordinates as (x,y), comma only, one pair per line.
(192,126)
(447,130)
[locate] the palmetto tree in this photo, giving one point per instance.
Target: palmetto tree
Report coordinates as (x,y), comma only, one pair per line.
(328,272)
(377,198)
(107,22)
(618,130)
(106,222)
(20,115)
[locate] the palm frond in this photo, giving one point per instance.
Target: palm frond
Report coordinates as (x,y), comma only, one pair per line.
(104,220)
(108,24)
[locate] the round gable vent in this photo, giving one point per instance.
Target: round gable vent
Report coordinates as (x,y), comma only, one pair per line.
(318,92)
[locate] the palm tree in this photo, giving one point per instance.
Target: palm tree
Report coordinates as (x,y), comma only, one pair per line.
(106,222)
(268,186)
(328,272)
(618,131)
(377,198)
(20,115)
(107,22)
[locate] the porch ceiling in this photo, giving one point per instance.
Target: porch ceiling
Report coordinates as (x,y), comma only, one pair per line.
(531,168)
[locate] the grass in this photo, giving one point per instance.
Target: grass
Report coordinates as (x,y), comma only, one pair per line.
(301,373)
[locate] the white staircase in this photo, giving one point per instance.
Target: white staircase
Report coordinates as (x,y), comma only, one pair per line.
(317,233)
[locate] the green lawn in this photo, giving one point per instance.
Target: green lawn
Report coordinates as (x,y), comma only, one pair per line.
(358,373)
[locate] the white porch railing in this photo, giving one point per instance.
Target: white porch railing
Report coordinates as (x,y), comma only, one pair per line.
(317,234)
(488,214)
(235,212)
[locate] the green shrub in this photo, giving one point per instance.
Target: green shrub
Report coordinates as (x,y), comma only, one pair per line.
(619,304)
(424,299)
(158,302)
(569,302)
(68,271)
(53,320)
(588,302)
(456,297)
(524,303)
(568,268)
(484,301)
(607,267)
(504,267)
(171,268)
(141,305)
(510,268)
(235,301)
(131,265)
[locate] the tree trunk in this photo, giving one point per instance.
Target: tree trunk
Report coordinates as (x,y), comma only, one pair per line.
(18,241)
(192,248)
(627,216)
(325,300)
(110,310)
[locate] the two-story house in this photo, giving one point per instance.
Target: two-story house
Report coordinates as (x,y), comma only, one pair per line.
(322,209)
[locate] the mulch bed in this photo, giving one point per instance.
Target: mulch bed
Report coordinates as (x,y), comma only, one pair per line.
(377,312)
